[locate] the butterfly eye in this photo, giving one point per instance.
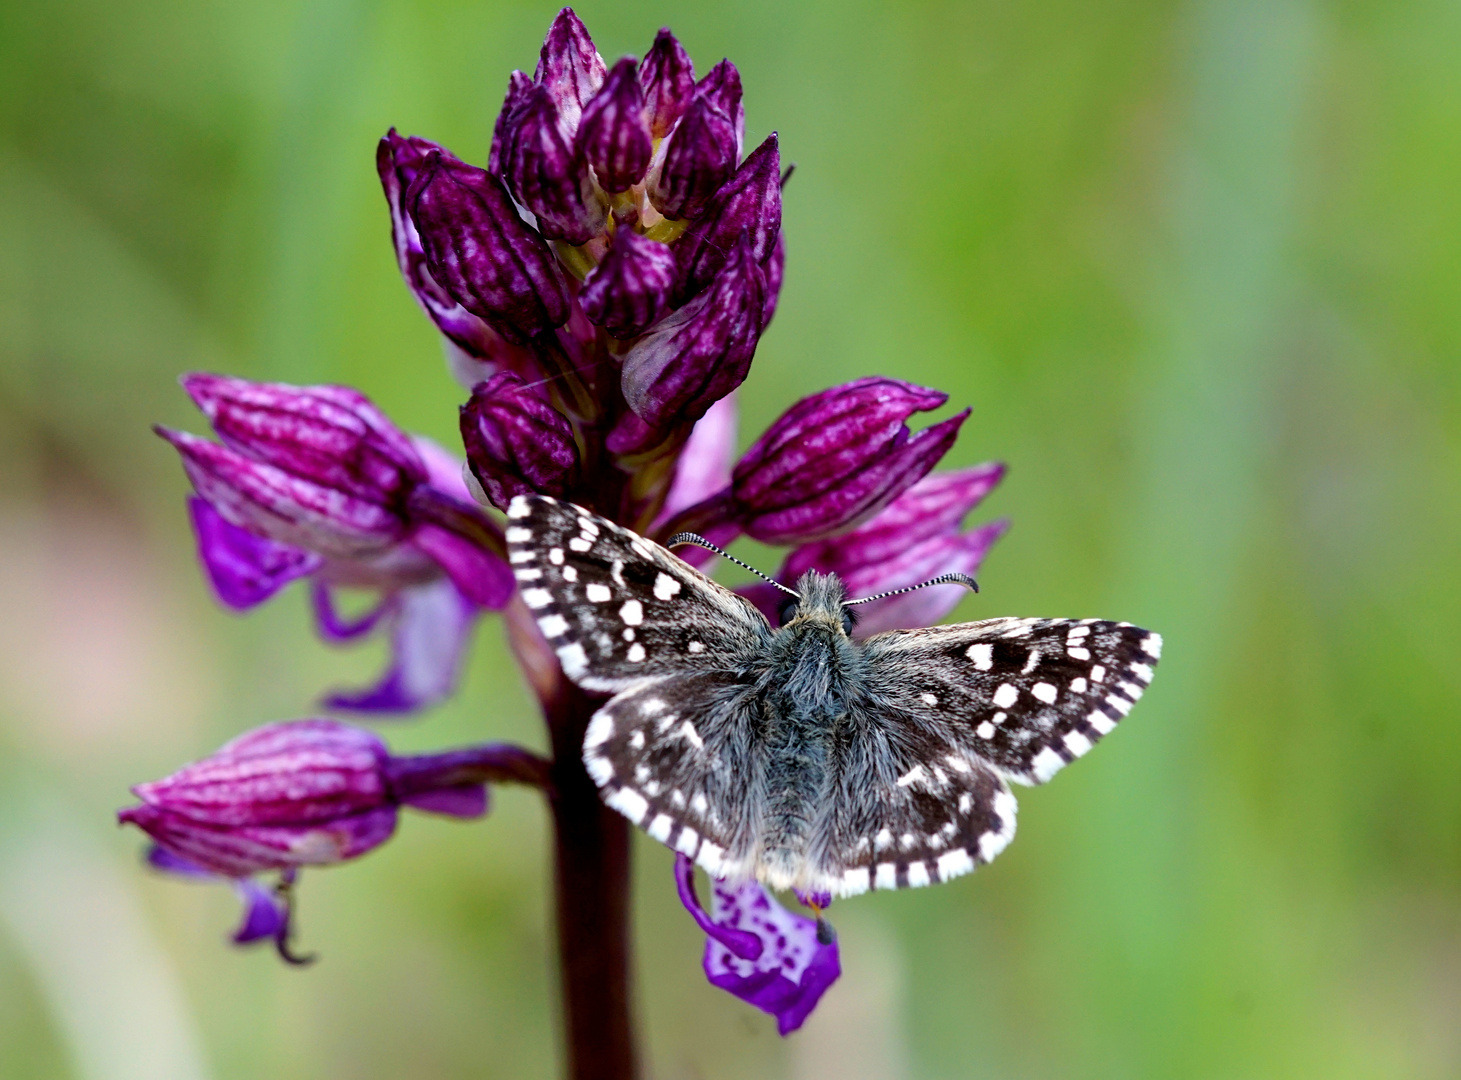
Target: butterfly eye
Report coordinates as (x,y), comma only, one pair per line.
(849,620)
(788,610)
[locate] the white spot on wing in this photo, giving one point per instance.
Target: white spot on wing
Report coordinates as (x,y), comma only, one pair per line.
(687,841)
(1046,764)
(1078,685)
(1005,696)
(917,874)
(518,508)
(982,653)
(636,653)
(573,659)
(928,699)
(660,827)
(555,556)
(985,730)
(1098,673)
(632,612)
(1101,722)
(537,598)
(954,863)
(1075,652)
(570,573)
(1152,646)
(629,803)
(665,586)
(887,876)
(1045,692)
(1076,743)
(696,646)
(553,626)
(579,544)
(599,730)
(855,881)
(597,593)
(516,534)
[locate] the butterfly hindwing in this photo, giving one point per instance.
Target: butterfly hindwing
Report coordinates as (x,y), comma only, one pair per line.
(1028,696)
(673,754)
(617,608)
(912,808)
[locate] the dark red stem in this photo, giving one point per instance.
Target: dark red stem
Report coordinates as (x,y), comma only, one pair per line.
(591,882)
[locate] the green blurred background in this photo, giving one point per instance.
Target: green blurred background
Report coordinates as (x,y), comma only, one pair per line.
(1197,267)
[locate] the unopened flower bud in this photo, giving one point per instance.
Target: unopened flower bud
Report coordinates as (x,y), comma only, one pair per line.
(485,256)
(398,160)
(331,435)
(614,132)
(748,203)
(518,86)
(836,458)
(516,442)
(629,290)
(700,353)
(702,151)
(668,78)
(548,174)
(569,67)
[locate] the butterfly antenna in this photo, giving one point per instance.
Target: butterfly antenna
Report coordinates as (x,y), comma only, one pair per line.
(700,541)
(942,579)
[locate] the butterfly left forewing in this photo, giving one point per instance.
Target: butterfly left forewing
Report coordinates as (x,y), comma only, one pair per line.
(618,608)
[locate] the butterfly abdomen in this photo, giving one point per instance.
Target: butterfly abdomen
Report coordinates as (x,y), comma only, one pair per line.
(803,707)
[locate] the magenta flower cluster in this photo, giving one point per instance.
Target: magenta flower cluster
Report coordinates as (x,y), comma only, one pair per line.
(600,288)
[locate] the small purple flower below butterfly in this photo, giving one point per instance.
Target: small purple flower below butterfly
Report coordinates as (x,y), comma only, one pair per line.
(769,957)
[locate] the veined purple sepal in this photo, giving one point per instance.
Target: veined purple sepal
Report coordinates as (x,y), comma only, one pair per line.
(700,353)
(244,569)
(569,67)
(701,153)
(765,955)
(517,443)
(331,435)
(775,268)
(267,501)
(548,174)
(238,852)
(296,773)
(518,85)
(835,459)
(398,160)
(749,203)
(482,252)
(430,627)
(668,78)
(629,290)
(614,133)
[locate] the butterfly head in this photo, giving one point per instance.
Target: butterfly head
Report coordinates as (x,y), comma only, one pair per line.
(821,600)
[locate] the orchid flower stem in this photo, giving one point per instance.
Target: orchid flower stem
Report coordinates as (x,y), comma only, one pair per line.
(491,763)
(591,873)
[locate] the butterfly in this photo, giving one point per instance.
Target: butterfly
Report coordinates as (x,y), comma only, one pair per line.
(797,755)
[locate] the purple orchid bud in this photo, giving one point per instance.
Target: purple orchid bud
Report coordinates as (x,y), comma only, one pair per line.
(310,792)
(330,435)
(486,257)
(629,290)
(748,204)
(548,174)
(297,773)
(775,268)
(700,353)
(518,86)
(767,956)
(471,341)
(516,442)
(614,132)
(835,459)
(244,569)
(569,67)
(701,153)
(269,502)
(668,78)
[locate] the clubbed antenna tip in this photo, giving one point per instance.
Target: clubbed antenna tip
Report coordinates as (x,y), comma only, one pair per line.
(942,579)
